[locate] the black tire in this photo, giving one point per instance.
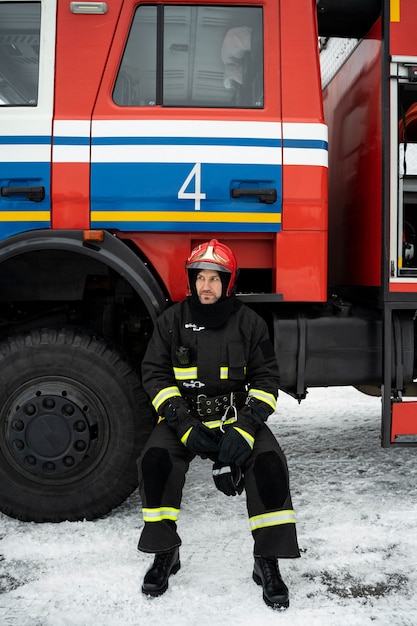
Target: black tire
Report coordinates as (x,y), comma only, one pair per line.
(73,420)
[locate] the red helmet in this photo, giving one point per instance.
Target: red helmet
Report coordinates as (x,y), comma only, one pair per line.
(213,255)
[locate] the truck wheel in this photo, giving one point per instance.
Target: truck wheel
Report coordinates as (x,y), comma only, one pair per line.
(73,420)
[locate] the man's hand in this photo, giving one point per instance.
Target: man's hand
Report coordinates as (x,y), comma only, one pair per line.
(176,413)
(236,445)
(201,440)
(194,435)
(228,479)
(238,441)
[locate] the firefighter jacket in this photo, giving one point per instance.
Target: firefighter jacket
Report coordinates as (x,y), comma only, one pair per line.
(198,363)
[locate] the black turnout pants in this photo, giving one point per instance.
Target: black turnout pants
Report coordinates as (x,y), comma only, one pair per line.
(162,467)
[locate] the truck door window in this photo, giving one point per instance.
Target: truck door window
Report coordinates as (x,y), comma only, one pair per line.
(19,53)
(193,56)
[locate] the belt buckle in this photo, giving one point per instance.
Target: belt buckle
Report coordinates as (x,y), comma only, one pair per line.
(200,397)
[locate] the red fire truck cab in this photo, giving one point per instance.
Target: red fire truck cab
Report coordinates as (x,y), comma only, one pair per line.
(130,131)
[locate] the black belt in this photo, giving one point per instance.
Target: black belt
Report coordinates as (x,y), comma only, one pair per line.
(206,407)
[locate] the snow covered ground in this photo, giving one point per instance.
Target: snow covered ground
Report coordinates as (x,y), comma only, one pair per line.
(356,508)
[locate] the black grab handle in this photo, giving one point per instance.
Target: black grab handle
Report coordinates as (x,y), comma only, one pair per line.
(36,194)
(268,196)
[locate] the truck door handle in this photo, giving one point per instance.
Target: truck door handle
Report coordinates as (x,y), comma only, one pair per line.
(268,196)
(36,194)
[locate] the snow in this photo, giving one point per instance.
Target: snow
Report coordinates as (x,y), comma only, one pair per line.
(356,509)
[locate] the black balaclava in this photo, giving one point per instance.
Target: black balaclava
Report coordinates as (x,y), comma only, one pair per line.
(212,315)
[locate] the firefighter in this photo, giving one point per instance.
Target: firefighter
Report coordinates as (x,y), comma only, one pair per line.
(211,374)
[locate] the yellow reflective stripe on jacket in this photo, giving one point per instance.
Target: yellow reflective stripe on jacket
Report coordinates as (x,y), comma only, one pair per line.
(164,395)
(185,373)
(263,396)
(224,372)
(218,423)
(272,519)
(186,435)
(157,515)
(246,436)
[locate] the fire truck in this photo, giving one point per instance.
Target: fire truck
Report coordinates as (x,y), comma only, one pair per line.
(132,130)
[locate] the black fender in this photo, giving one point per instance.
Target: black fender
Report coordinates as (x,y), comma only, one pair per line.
(112,251)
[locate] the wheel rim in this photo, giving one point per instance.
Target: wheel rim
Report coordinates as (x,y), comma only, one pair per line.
(56,428)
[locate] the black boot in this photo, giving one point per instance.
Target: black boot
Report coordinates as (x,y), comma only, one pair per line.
(155,582)
(266,573)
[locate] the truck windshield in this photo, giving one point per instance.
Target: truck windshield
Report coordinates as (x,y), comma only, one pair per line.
(193,56)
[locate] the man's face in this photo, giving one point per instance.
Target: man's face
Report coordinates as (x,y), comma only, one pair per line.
(208,286)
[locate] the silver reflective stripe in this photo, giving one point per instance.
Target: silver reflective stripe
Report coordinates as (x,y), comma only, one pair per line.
(163,395)
(218,423)
(263,396)
(246,436)
(157,515)
(226,469)
(272,519)
(185,373)
(224,373)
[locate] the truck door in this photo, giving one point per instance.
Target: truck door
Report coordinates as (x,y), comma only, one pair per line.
(186,132)
(404,173)
(26,101)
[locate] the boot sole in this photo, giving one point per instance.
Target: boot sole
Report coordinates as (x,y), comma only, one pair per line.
(158,592)
(278,606)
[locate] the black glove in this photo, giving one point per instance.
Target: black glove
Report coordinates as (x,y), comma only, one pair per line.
(194,435)
(237,443)
(177,414)
(259,411)
(236,446)
(228,479)
(202,441)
